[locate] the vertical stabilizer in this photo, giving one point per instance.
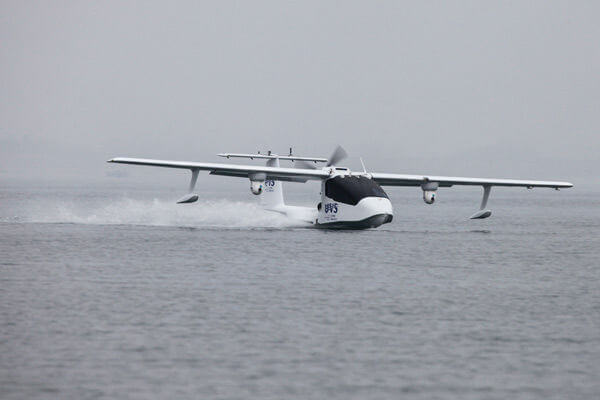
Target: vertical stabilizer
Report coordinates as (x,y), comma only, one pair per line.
(272,195)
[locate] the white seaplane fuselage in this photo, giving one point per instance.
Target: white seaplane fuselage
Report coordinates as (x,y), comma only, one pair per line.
(347,202)
(369,212)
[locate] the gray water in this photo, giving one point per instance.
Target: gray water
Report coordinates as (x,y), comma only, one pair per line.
(113,293)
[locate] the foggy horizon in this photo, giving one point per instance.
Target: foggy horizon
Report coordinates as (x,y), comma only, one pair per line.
(485,90)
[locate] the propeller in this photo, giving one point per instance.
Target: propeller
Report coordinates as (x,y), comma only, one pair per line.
(304,164)
(338,155)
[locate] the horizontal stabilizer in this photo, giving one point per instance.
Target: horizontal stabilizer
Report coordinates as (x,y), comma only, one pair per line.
(271,157)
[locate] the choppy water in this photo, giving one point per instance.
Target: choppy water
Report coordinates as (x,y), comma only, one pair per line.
(106,294)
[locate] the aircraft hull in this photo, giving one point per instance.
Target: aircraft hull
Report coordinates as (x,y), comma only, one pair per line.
(370,212)
(367,223)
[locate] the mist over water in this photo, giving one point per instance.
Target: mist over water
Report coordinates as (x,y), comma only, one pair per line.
(127,211)
(106,205)
(121,293)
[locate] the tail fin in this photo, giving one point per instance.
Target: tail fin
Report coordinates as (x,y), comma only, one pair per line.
(272,195)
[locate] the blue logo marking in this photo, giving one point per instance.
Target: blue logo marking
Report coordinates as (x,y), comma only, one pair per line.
(331,208)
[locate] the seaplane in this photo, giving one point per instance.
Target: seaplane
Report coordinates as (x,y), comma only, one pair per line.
(349,199)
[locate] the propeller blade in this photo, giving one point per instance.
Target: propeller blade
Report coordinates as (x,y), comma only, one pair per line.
(338,155)
(304,164)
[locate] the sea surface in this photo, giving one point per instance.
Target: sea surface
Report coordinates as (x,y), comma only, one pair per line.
(114,293)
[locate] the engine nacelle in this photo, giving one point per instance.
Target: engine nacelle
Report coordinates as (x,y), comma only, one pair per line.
(256,187)
(429,196)
(257,182)
(429,191)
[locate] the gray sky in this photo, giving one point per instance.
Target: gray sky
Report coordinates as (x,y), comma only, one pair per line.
(496,89)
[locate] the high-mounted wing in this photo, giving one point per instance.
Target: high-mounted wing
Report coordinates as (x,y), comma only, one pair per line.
(447,181)
(242,171)
(256,174)
(430,183)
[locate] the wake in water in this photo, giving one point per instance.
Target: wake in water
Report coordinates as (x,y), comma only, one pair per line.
(213,213)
